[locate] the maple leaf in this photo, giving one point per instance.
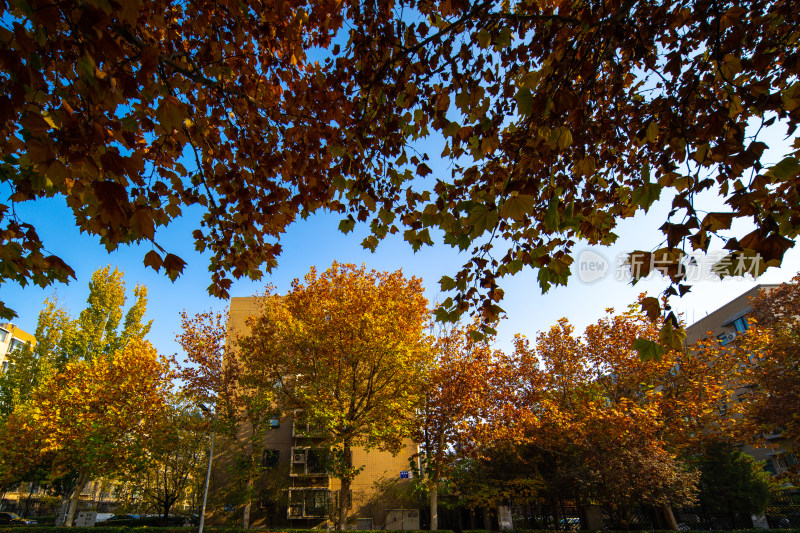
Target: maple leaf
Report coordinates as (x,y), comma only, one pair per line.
(547,139)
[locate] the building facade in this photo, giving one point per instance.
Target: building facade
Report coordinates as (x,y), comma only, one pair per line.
(727,321)
(725,324)
(12,339)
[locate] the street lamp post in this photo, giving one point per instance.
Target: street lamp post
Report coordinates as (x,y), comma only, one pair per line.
(208,474)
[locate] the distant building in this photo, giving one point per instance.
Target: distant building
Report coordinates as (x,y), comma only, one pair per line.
(308,494)
(12,339)
(725,324)
(727,321)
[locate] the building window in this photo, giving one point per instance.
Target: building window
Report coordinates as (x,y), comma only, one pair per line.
(270,458)
(316,461)
(16,345)
(309,503)
(786,460)
(3,335)
(740,324)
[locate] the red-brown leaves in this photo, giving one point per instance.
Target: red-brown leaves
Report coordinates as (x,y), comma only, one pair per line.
(556,120)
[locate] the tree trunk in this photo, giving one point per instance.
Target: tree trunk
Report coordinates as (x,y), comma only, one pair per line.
(80,483)
(167,500)
(28,500)
(669,517)
(344,491)
(344,502)
(434,492)
(434,506)
(249,499)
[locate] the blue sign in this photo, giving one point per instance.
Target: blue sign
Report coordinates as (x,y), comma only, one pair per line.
(405,474)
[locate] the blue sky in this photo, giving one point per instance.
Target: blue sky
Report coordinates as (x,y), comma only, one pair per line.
(317,242)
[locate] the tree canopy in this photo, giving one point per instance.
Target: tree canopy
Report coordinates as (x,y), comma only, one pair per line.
(98,331)
(585,417)
(61,388)
(95,417)
(772,346)
(217,375)
(347,352)
(555,121)
(179,451)
(454,386)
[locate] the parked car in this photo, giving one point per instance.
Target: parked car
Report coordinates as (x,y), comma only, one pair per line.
(570,523)
(157,520)
(102,517)
(123,517)
(13,519)
(142,520)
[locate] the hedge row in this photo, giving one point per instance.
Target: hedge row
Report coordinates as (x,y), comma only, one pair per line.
(218,529)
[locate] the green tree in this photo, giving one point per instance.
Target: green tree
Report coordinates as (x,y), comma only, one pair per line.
(348,351)
(732,483)
(27,366)
(97,330)
(179,455)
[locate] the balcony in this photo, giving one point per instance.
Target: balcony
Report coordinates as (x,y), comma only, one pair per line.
(310,462)
(309,503)
(302,429)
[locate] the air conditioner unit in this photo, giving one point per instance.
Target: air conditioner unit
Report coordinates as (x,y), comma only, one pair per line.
(298,455)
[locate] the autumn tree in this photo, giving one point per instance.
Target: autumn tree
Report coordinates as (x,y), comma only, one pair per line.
(178,458)
(624,421)
(454,386)
(347,350)
(772,347)
(557,119)
(103,327)
(100,329)
(236,391)
(94,416)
